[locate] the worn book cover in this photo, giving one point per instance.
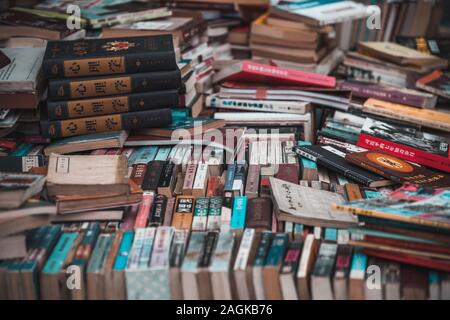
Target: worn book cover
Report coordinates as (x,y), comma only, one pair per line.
(299,204)
(436,82)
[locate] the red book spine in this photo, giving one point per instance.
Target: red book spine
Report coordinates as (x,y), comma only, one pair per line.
(144,210)
(404,152)
(288,75)
(409,259)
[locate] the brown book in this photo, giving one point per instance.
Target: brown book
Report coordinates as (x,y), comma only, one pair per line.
(414,282)
(259,214)
(110,293)
(138,173)
(398,170)
(288,172)
(252,183)
(352,192)
(189,179)
(183,212)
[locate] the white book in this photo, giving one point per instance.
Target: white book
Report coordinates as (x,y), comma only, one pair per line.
(199,187)
(254,153)
(135,252)
(263,152)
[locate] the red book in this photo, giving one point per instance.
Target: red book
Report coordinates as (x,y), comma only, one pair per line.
(248,71)
(442,265)
(144,210)
(406,143)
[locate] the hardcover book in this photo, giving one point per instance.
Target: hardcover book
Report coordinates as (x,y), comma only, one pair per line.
(183,212)
(407,143)
(321,285)
(16,188)
(95,87)
(96,57)
(124,121)
(334,159)
(398,170)
(153,175)
(259,214)
(61,110)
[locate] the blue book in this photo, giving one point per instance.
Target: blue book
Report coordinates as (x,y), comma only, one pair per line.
(59,254)
(239,212)
(143,155)
(277,249)
(122,254)
(230,177)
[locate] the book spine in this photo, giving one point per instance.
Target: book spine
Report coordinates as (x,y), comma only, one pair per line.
(277,250)
(189,179)
(161,248)
(169,212)
(61,110)
(184,211)
(144,210)
(158,211)
(227,209)
(153,175)
(68,89)
(138,173)
(201,178)
(167,179)
(291,258)
(215,186)
(239,213)
(109,123)
(109,65)
(259,214)
(214,213)
(289,75)
(256,105)
(59,253)
(122,254)
(230,177)
(242,257)
(384,94)
(252,183)
(200,218)
(239,179)
(143,155)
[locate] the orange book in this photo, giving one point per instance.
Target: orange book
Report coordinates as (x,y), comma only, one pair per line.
(183,212)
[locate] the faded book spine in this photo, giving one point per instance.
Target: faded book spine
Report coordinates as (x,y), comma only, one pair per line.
(79,88)
(107,123)
(60,110)
(259,214)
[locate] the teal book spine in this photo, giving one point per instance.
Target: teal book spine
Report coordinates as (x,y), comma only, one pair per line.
(163,153)
(100,252)
(230,177)
(359,265)
(194,251)
(124,249)
(277,249)
(263,248)
(59,253)
(239,212)
(331,234)
(306,163)
(143,155)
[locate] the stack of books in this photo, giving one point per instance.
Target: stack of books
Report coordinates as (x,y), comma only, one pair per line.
(108,85)
(162,160)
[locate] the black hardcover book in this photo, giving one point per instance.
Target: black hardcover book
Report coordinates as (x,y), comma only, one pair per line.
(81,58)
(153,175)
(61,110)
(334,159)
(20,163)
(79,88)
(106,123)
(208,249)
(157,212)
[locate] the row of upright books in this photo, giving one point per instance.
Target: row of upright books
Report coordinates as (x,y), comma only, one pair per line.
(212,150)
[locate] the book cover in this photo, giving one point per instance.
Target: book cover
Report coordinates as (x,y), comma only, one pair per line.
(436,82)
(406,142)
(334,159)
(153,175)
(254,72)
(259,214)
(398,170)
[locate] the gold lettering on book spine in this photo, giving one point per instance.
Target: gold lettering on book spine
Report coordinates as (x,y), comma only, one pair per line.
(91,125)
(93,107)
(100,87)
(93,67)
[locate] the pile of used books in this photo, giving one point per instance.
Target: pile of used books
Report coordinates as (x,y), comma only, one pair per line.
(224,150)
